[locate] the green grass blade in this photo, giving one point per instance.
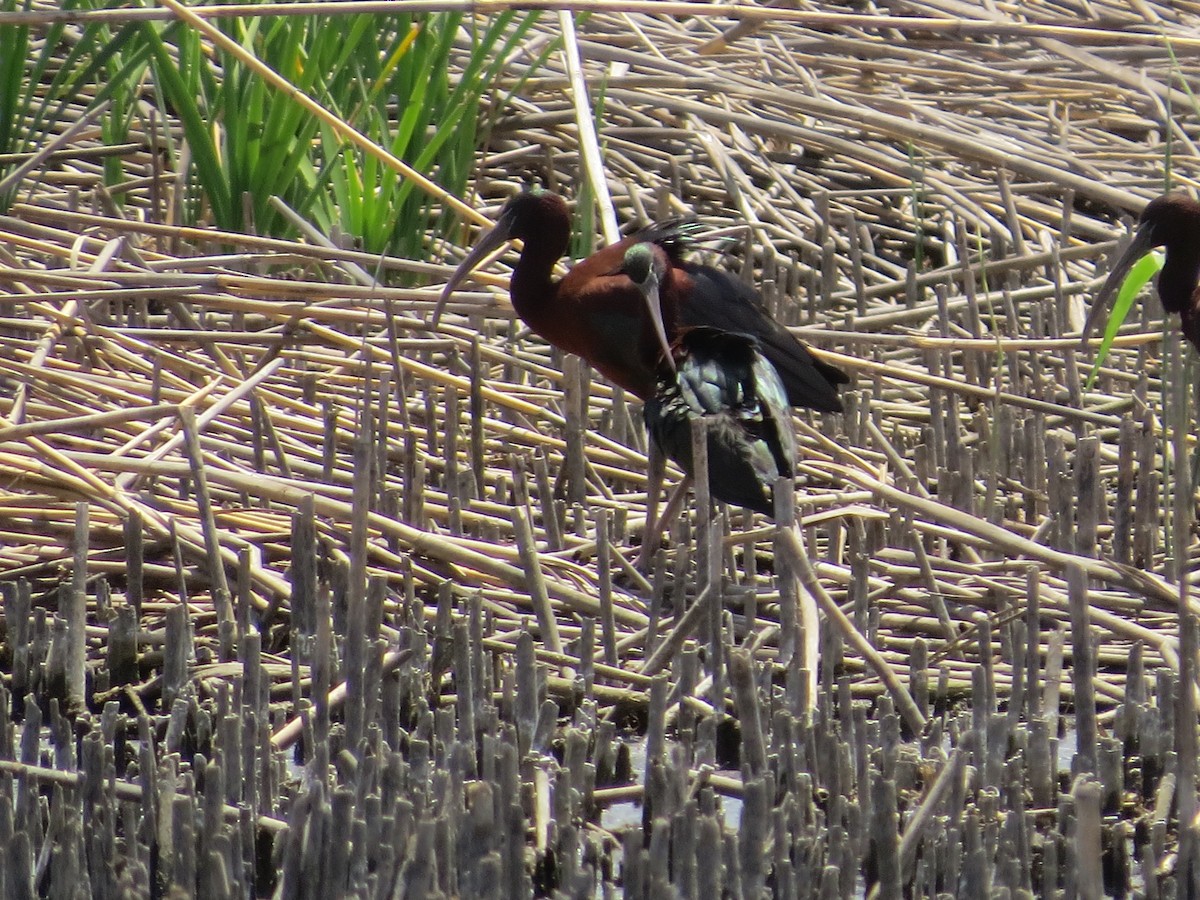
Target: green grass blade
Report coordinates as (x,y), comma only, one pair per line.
(38,83)
(14,47)
(180,84)
(1145,269)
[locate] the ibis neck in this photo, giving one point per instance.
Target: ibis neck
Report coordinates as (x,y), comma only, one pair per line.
(1177,281)
(532,286)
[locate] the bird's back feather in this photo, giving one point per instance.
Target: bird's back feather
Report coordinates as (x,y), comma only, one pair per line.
(722,376)
(724,302)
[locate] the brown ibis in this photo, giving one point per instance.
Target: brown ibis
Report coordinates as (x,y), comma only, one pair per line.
(1171,221)
(596,312)
(723,378)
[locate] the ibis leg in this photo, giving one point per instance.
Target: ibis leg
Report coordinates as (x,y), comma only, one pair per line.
(651,538)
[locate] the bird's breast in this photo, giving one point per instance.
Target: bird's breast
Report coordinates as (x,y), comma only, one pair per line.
(619,351)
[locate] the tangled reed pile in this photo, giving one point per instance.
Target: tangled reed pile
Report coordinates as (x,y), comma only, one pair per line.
(301,598)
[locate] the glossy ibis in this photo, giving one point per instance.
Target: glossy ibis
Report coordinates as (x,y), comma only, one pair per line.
(597,313)
(720,375)
(723,378)
(1171,221)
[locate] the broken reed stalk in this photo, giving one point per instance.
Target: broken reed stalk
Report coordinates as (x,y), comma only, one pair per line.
(838,620)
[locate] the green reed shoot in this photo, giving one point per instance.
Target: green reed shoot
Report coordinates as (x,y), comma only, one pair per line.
(407,100)
(41,74)
(1143,270)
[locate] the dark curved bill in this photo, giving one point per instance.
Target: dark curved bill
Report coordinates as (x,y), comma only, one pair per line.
(649,289)
(487,244)
(1138,247)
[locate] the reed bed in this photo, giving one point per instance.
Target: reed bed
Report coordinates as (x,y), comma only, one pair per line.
(250,502)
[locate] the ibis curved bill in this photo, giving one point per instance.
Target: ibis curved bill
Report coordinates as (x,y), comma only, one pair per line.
(1171,221)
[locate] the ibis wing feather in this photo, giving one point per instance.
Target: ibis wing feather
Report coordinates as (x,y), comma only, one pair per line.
(721,301)
(674,236)
(723,377)
(776,414)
